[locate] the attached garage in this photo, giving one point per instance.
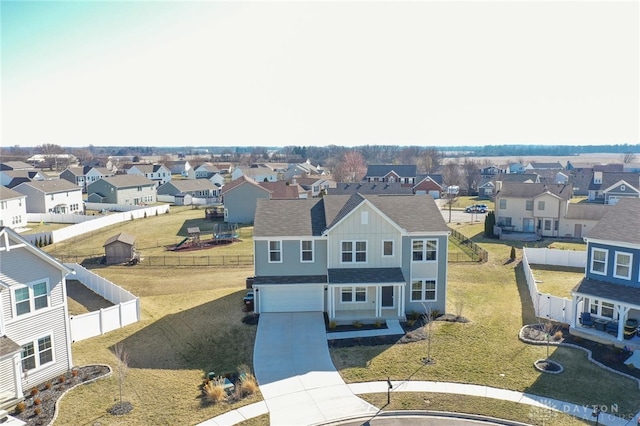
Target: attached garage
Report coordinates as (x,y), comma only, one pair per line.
(290,298)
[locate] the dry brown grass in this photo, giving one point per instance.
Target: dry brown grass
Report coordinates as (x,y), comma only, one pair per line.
(214,390)
(556,280)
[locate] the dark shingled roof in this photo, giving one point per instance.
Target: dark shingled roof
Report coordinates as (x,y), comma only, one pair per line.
(586,211)
(402,170)
(620,223)
(8,346)
(346,188)
(607,290)
(531,190)
(291,279)
(365,275)
(307,217)
(611,178)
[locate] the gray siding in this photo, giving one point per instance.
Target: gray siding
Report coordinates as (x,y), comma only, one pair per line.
(240,203)
(291,264)
(427,270)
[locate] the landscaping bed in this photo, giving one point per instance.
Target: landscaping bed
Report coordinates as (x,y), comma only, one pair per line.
(39,406)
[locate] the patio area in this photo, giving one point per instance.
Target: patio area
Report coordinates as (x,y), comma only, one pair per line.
(600,335)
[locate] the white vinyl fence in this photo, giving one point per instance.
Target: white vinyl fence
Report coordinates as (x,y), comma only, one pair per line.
(95,223)
(126,310)
(546,305)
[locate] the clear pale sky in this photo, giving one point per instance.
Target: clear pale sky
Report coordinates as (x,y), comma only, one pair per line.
(164,73)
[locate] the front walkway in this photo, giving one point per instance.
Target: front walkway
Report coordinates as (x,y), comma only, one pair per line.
(297,378)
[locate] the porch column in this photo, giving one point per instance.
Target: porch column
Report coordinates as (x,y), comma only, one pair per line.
(332,302)
(17,374)
(576,301)
(622,319)
(401,300)
(378,301)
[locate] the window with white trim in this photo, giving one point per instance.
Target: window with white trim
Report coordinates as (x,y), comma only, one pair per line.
(622,268)
(529,205)
(275,251)
(37,353)
(503,204)
(599,261)
(540,205)
(31,298)
(306,251)
(353,294)
(424,250)
(423,290)
(354,251)
(387,248)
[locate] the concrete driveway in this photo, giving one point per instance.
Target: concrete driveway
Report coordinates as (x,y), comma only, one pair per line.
(298,381)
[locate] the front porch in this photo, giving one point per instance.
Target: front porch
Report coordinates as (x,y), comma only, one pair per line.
(605,338)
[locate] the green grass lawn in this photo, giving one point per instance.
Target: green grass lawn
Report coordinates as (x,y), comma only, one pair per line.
(486,351)
(556,280)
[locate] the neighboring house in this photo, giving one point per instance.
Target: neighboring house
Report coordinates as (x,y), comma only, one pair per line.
(305,169)
(535,165)
(83,176)
(217,179)
(12,178)
(35,340)
(198,188)
(487,188)
(52,196)
(180,167)
(203,171)
(490,171)
(531,207)
(405,174)
(580,219)
(515,168)
(122,189)
(155,172)
(257,172)
(315,185)
(609,187)
(356,257)
(15,165)
(391,188)
(610,289)
(428,185)
(13,208)
(120,248)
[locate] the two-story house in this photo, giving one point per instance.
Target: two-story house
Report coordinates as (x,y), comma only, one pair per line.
(198,188)
(13,208)
(155,172)
(610,289)
(403,173)
(257,172)
(13,178)
(129,190)
(83,176)
(356,257)
(531,207)
(203,171)
(52,196)
(35,340)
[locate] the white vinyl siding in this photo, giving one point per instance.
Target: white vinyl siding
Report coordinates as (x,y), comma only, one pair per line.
(599,261)
(37,353)
(622,268)
(30,298)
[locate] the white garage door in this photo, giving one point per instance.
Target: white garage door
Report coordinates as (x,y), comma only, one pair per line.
(291,298)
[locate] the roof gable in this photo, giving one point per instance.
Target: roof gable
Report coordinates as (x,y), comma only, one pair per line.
(401,170)
(619,224)
(628,187)
(11,240)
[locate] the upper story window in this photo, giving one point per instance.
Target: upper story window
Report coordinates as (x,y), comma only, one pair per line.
(599,261)
(424,250)
(529,205)
(623,265)
(540,205)
(364,218)
(37,353)
(354,251)
(387,248)
(306,251)
(30,298)
(275,251)
(503,204)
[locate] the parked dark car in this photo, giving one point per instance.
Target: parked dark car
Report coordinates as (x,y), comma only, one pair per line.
(248,301)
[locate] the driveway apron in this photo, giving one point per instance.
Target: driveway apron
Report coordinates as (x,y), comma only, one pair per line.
(297,378)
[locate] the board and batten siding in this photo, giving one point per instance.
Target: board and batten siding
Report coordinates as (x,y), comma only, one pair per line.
(426,270)
(291,264)
(376,230)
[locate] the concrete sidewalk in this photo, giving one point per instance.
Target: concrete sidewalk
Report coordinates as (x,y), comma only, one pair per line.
(535,401)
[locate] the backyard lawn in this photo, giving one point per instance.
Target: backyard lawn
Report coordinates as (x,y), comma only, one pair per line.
(556,280)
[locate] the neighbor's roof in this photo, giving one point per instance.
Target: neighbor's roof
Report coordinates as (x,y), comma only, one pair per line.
(9,194)
(123,238)
(49,186)
(280,189)
(186,185)
(311,217)
(611,178)
(532,190)
(346,188)
(402,170)
(124,181)
(15,165)
(620,223)
(587,211)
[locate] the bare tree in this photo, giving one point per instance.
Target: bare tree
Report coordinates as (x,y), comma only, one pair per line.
(429,160)
(428,319)
(628,157)
(351,168)
(451,178)
(471,173)
(50,152)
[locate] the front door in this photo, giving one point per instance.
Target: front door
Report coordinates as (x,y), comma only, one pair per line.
(577,230)
(387,297)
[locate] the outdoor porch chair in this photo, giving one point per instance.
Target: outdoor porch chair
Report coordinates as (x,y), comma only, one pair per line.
(586,320)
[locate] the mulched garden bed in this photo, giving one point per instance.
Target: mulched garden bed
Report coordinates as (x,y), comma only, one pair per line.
(39,406)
